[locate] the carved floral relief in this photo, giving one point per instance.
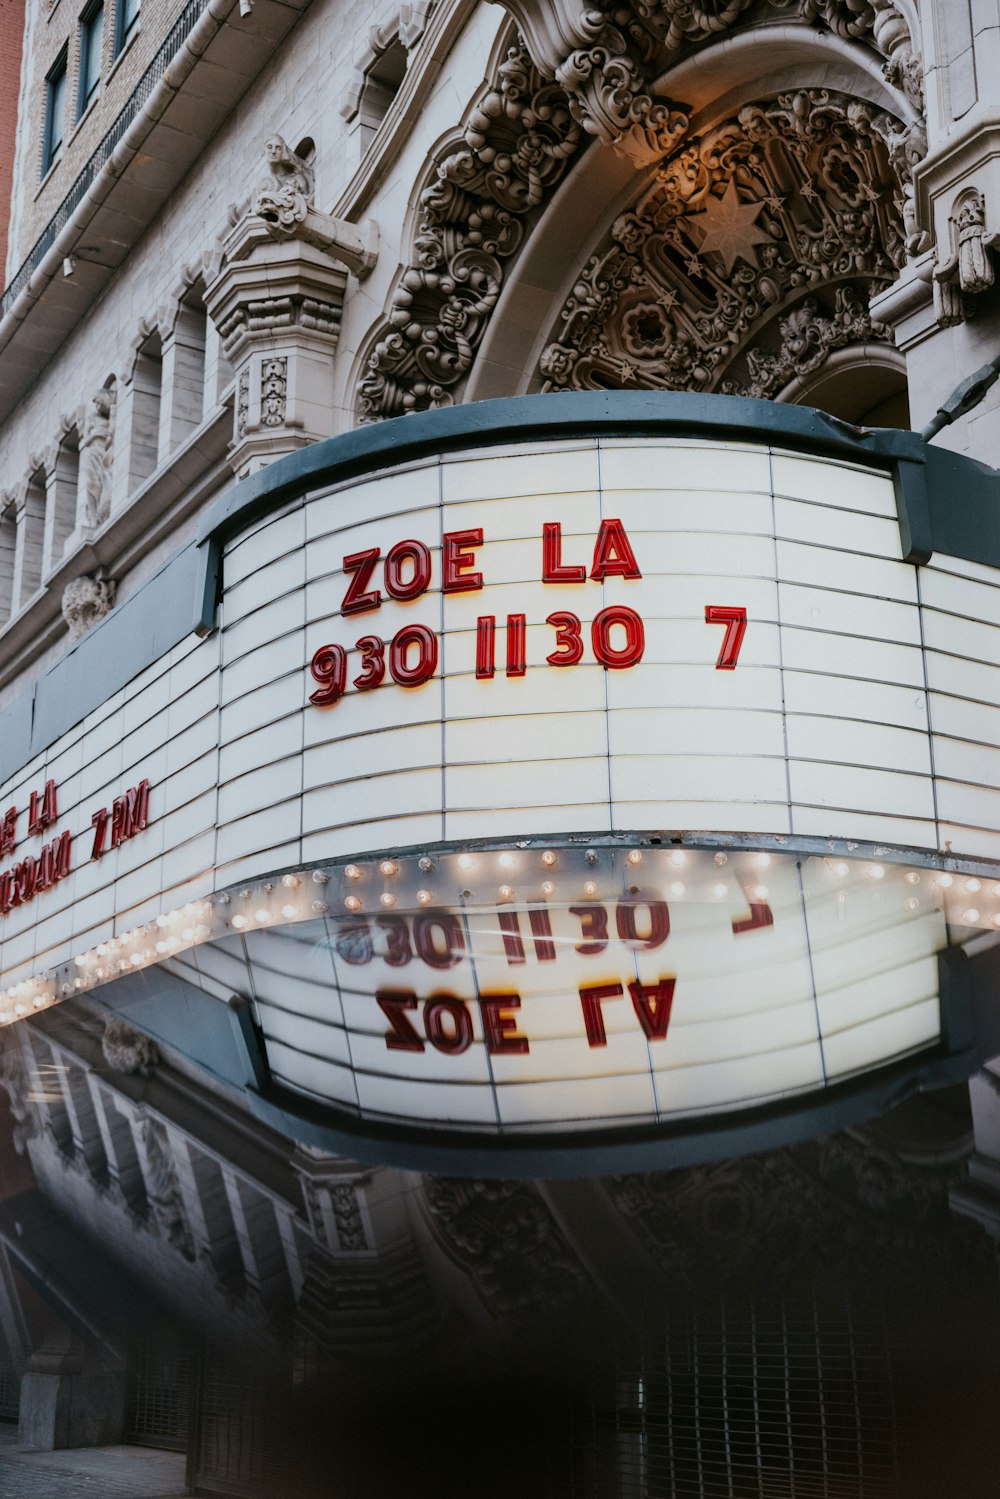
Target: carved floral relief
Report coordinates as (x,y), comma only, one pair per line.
(788,217)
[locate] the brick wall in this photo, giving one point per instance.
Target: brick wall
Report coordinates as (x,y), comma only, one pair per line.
(57,25)
(11,33)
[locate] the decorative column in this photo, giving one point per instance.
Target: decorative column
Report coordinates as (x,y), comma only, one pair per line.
(276,303)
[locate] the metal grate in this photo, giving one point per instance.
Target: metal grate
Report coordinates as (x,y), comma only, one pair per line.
(10,1395)
(178,33)
(789,1401)
(245,1443)
(159,1395)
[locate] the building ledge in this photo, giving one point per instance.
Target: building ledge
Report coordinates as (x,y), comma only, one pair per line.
(193,473)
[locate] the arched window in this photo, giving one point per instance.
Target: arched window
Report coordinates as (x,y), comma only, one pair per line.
(62,487)
(183,364)
(30,542)
(144,391)
(8,549)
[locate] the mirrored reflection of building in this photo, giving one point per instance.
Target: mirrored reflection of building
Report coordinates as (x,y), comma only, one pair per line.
(816,1320)
(498,911)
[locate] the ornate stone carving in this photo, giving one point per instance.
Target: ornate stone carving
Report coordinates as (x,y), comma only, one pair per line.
(516,147)
(16,1083)
(95,458)
(163,1188)
(969,270)
(86,600)
(607,95)
(834,1202)
(608,60)
(286,190)
(503,1233)
(127,1050)
(721,242)
(273,389)
(347,1218)
(242,403)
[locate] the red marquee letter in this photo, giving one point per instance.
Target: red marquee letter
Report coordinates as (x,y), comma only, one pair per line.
(652,1005)
(590,1001)
(613,554)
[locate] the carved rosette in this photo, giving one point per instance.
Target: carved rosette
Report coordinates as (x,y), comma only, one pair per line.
(720,246)
(516,146)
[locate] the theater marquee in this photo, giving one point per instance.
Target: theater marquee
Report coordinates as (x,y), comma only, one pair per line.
(580,767)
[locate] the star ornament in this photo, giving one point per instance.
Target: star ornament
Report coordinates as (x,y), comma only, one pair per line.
(730,230)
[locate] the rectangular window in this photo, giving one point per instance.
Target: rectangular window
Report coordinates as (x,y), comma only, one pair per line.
(91,40)
(126,20)
(55,108)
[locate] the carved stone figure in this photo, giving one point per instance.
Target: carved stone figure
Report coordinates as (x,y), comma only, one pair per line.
(285,192)
(85,600)
(95,458)
(969,269)
(163,1188)
(127,1050)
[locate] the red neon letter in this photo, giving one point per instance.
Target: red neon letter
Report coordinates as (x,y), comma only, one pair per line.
(99,822)
(8,831)
(395,584)
(512,945)
(456,1040)
(541,930)
(593,929)
(613,554)
(554,570)
(362,564)
(402,1036)
(516,660)
(486,634)
(455,561)
(652,1005)
(500,1027)
(735,620)
(590,1001)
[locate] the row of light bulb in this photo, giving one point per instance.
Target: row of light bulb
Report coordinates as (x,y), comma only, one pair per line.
(303,896)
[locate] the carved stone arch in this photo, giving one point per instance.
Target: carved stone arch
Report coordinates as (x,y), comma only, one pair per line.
(516,144)
(459,324)
(68,420)
(864,384)
(146,330)
(750,253)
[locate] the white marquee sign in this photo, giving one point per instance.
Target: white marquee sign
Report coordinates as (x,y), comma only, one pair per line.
(519,654)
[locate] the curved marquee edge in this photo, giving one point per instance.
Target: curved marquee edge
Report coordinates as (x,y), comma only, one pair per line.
(945,501)
(970,1034)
